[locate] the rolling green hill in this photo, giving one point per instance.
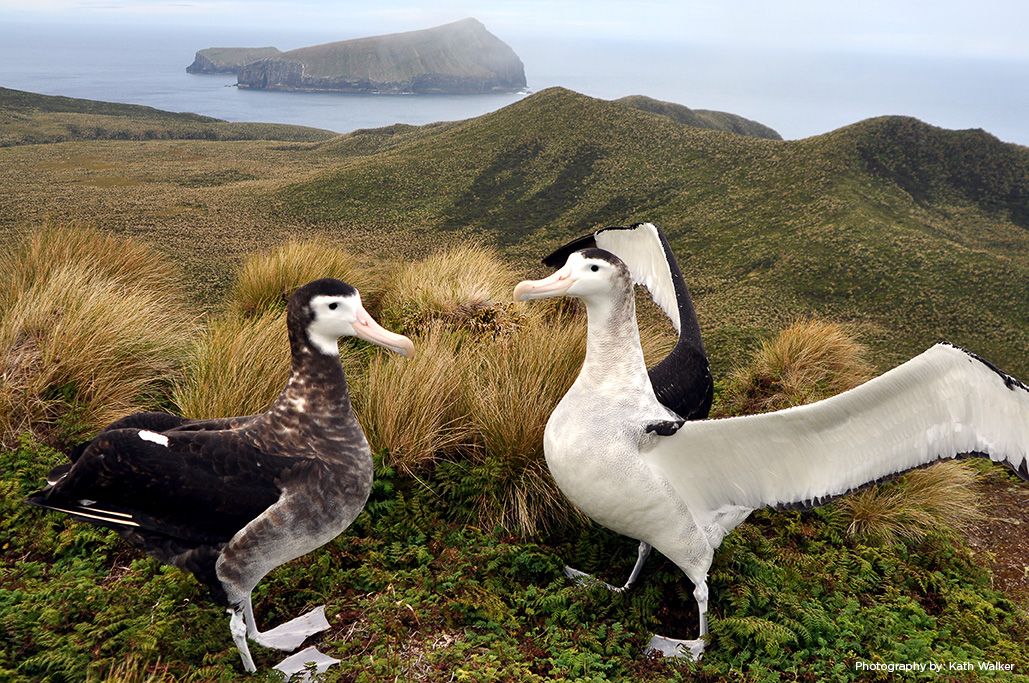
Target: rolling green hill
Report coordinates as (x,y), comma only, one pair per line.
(700,118)
(913,233)
(29,118)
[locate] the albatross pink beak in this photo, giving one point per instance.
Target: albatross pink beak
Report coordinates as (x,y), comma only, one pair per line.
(555,285)
(366,328)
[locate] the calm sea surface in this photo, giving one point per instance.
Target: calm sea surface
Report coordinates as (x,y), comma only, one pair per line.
(797,94)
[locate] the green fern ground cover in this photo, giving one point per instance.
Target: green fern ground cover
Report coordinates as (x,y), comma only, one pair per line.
(417,592)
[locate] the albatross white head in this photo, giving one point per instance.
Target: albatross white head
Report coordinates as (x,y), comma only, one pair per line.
(331,309)
(592,275)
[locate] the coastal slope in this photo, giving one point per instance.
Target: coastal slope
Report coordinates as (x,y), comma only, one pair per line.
(457,58)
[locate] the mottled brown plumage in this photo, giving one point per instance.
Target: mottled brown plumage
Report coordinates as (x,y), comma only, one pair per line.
(230,499)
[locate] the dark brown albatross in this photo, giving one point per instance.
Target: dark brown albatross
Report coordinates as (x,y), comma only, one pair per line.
(228,500)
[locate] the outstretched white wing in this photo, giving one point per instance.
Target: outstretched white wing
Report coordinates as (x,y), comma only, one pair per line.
(940,404)
(647,254)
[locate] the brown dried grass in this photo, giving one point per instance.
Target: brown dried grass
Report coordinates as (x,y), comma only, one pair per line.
(267,279)
(943,497)
(469,286)
(238,366)
(415,408)
(806,362)
(56,246)
(76,340)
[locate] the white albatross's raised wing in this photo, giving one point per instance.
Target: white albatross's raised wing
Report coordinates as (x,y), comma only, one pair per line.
(646,252)
(943,403)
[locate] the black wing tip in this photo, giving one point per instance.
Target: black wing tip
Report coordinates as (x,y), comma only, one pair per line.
(1009,381)
(557,258)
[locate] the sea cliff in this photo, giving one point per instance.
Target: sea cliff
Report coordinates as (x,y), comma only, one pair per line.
(227,60)
(459,58)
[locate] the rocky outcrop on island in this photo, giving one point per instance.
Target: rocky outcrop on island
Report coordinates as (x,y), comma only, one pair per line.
(228,60)
(458,58)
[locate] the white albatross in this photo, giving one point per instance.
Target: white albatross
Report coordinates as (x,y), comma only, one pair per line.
(638,469)
(230,499)
(682,380)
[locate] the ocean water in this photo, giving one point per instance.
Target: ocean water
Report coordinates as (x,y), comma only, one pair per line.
(797,93)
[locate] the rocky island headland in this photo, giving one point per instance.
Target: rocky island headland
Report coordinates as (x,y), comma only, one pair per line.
(228,60)
(457,58)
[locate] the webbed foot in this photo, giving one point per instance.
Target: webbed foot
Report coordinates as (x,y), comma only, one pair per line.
(292,634)
(298,663)
(671,647)
(586,580)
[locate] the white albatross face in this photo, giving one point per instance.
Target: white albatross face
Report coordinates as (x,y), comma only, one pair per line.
(581,277)
(344,316)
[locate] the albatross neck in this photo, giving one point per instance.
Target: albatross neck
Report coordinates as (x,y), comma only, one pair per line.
(613,339)
(316,385)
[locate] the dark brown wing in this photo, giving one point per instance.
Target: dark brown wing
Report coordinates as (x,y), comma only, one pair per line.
(200,487)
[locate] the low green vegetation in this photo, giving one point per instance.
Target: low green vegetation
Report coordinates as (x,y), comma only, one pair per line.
(146,260)
(30,119)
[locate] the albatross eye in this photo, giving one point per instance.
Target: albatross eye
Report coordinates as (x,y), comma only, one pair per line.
(333,306)
(594,267)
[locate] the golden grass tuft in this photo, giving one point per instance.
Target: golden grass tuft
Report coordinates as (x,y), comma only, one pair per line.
(414,408)
(517,381)
(468,286)
(266,280)
(55,247)
(74,339)
(942,497)
(808,361)
(238,366)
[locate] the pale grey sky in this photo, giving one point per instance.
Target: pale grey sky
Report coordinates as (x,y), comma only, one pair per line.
(987,28)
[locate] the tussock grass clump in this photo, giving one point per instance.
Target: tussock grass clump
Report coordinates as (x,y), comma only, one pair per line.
(468,286)
(414,408)
(238,366)
(266,280)
(806,362)
(77,342)
(517,381)
(942,497)
(54,247)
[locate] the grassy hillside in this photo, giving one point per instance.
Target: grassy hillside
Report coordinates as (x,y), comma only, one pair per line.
(914,233)
(700,118)
(228,59)
(27,118)
(906,232)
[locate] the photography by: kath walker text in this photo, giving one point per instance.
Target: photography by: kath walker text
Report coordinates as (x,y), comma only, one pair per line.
(934,666)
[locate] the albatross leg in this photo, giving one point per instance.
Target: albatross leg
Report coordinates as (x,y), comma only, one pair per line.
(690,649)
(290,635)
(239,635)
(584,579)
(642,554)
